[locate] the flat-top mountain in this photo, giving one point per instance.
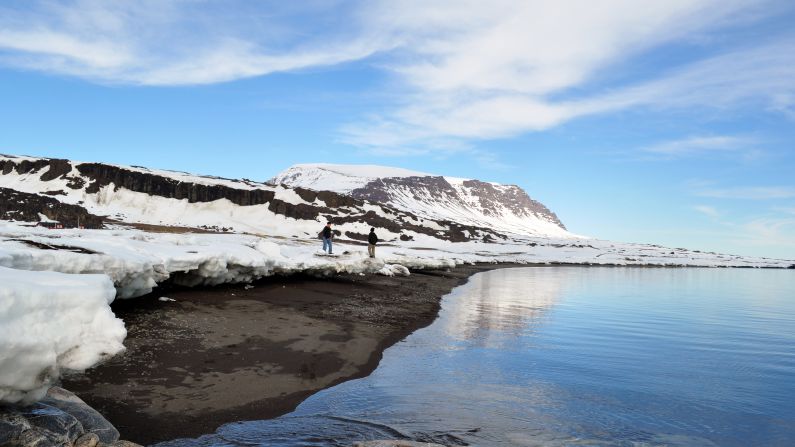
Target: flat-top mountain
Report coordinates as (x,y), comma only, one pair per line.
(505,208)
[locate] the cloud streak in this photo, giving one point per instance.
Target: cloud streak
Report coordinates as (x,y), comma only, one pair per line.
(770,231)
(707,210)
(523,67)
(172,42)
(749,192)
(463,70)
(696,145)
(722,145)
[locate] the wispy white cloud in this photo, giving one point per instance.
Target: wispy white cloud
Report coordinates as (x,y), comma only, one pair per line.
(693,145)
(741,147)
(784,103)
(463,70)
(763,73)
(769,231)
(516,67)
(707,210)
(763,234)
(749,192)
(175,42)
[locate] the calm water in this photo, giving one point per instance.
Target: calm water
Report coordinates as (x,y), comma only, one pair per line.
(574,356)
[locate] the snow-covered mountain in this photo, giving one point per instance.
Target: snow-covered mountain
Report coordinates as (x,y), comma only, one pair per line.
(38,189)
(505,208)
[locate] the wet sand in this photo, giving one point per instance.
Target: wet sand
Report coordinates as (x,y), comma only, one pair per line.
(227,354)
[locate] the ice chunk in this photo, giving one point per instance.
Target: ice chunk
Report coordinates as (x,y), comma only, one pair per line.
(52,321)
(394,270)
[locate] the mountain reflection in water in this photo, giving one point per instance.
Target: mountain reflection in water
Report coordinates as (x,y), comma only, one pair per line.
(499,307)
(573,356)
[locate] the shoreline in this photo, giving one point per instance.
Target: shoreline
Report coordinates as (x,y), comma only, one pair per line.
(230,353)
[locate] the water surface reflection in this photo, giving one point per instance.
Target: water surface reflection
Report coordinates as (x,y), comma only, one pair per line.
(574,356)
(500,306)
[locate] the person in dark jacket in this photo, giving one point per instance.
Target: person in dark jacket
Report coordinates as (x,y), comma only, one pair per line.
(372,239)
(327,235)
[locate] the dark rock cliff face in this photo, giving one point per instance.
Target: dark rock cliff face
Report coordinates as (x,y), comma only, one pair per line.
(380,190)
(16,205)
(512,197)
(436,189)
(101,175)
(58,168)
(331,199)
(55,168)
(22,166)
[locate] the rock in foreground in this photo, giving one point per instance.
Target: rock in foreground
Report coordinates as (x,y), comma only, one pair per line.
(60,419)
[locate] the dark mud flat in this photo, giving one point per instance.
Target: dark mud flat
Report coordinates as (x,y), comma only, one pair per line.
(227,354)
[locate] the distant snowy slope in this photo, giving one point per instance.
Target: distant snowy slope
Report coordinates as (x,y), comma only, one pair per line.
(338,178)
(505,208)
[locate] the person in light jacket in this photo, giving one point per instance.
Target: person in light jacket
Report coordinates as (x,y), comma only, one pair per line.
(372,239)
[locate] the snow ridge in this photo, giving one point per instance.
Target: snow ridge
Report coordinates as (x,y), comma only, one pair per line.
(337,177)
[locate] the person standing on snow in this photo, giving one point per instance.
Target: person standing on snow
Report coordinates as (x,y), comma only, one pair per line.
(327,235)
(372,239)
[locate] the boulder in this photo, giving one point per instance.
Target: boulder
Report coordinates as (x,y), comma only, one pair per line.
(37,437)
(91,420)
(12,425)
(60,419)
(49,425)
(37,425)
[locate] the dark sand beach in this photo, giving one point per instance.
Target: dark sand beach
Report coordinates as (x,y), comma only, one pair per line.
(226,354)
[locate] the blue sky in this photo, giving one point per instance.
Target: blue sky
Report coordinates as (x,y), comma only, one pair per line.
(669,122)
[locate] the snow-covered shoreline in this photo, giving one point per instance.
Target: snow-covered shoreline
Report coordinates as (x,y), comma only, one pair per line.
(57,285)
(137,260)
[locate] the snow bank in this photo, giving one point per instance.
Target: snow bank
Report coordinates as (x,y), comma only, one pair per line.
(394,270)
(137,261)
(49,322)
